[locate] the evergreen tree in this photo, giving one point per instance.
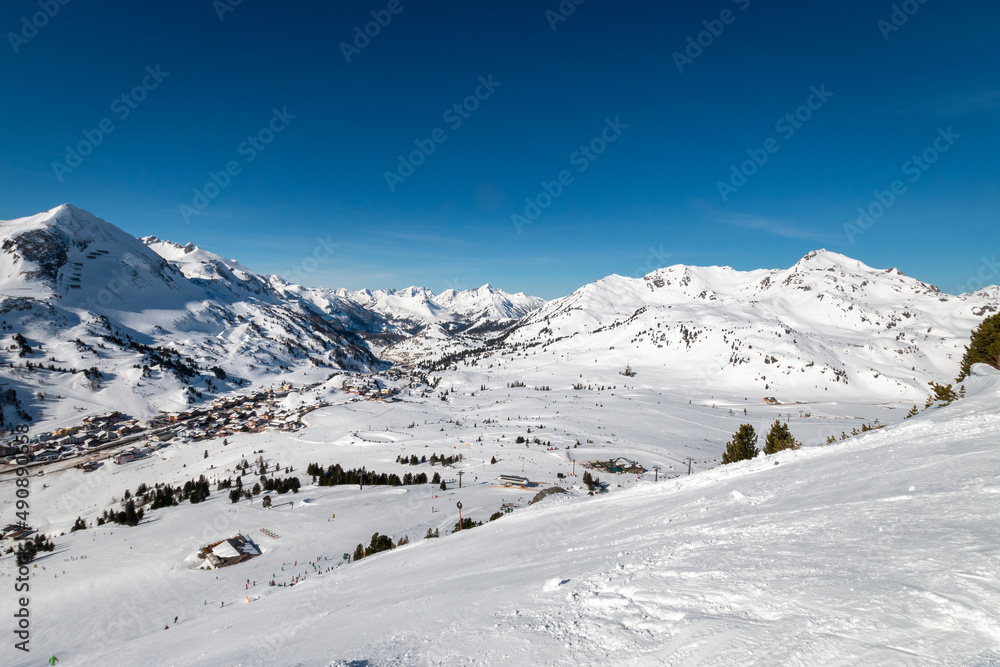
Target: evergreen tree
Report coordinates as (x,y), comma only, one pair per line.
(912,413)
(983,348)
(742,447)
(943,394)
(779,438)
(444,487)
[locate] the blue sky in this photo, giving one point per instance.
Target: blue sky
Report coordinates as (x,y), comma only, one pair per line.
(641,137)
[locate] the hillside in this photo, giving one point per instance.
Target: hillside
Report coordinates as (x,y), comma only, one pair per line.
(159,325)
(878,550)
(828,328)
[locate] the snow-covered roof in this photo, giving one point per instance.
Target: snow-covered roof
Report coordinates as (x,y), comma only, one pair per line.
(226,550)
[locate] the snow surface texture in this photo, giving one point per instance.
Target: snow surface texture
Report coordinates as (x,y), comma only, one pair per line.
(878,550)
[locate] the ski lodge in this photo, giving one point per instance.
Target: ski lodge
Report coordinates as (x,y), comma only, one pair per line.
(230,551)
(513,480)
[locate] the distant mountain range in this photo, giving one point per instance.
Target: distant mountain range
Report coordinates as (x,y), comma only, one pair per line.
(166,325)
(159,325)
(828,328)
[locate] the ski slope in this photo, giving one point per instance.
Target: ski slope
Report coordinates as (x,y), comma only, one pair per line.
(878,550)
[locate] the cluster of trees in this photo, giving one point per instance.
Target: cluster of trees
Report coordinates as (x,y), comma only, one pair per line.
(523,440)
(433,460)
(335,475)
(378,544)
(983,348)
(466,524)
(27,550)
(281,484)
(22,343)
(127,517)
(196,490)
(743,445)
(163,495)
(593,483)
(864,429)
(9,397)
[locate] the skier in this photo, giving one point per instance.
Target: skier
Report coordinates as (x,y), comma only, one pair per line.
(53,660)
(175,620)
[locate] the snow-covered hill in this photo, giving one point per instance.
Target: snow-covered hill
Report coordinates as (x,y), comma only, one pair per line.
(878,550)
(827,328)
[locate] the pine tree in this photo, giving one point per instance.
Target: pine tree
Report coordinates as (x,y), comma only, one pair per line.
(912,413)
(779,438)
(742,447)
(983,348)
(444,486)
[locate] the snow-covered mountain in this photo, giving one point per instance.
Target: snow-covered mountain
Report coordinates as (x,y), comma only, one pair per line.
(827,327)
(160,334)
(417,308)
(167,324)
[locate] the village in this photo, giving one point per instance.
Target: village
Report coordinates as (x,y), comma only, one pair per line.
(107,434)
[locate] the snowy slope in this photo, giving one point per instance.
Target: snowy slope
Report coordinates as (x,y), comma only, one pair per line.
(878,550)
(827,328)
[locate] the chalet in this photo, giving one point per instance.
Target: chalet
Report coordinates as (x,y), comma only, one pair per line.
(513,480)
(230,551)
(14,532)
(123,457)
(770,400)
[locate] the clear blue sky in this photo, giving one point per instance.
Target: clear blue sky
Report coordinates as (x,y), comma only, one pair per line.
(651,198)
